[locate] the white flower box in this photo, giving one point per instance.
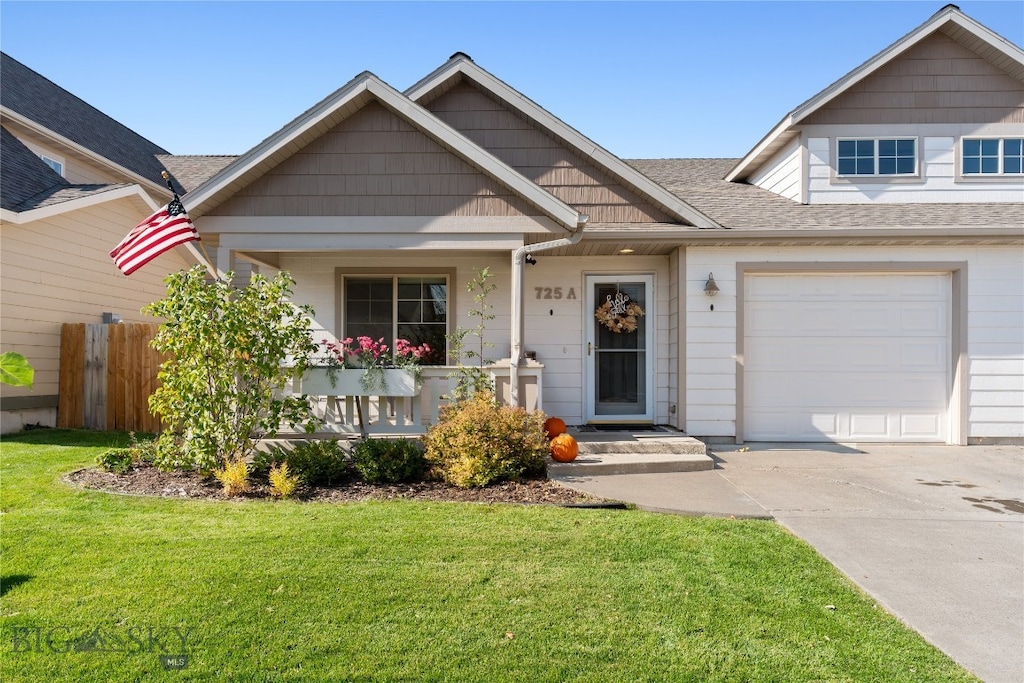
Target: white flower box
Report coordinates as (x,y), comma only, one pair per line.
(316,381)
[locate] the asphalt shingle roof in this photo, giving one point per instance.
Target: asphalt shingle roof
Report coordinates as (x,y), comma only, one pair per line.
(738,205)
(191,170)
(23,175)
(39,99)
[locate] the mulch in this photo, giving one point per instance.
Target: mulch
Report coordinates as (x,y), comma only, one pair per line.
(146,480)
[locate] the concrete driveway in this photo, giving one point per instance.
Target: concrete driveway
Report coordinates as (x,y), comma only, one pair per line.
(933,533)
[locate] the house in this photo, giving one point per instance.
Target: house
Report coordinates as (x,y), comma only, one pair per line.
(73,183)
(857,276)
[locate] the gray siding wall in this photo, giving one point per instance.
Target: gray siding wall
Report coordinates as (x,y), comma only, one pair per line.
(541,158)
(936,81)
(374,164)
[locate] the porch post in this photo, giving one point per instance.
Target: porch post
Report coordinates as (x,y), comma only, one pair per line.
(518,326)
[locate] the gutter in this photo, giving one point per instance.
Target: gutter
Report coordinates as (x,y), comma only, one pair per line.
(518,266)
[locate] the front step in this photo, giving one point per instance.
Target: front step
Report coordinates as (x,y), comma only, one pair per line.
(604,453)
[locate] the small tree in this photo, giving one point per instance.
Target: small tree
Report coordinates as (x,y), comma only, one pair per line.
(470,379)
(221,388)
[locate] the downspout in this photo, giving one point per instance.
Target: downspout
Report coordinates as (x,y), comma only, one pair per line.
(518,326)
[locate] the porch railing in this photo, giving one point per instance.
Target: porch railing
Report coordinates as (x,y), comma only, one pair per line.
(384,415)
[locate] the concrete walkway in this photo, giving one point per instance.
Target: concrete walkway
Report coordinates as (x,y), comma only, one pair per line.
(933,533)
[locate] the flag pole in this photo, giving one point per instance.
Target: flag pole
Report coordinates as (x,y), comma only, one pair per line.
(202,245)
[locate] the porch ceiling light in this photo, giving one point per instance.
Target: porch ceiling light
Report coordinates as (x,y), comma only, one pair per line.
(711,287)
(627,250)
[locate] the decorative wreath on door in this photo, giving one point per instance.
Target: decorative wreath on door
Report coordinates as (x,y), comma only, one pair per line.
(619,313)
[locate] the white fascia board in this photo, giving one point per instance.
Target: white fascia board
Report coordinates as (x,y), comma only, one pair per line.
(949,15)
(584,145)
(78,149)
(437,225)
(367,242)
(958,232)
(83,203)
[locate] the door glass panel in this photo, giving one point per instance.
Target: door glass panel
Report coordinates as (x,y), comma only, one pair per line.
(620,365)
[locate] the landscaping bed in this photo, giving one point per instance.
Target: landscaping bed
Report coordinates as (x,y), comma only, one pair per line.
(147,480)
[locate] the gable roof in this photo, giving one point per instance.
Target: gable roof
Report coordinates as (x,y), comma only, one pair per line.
(950,20)
(331,111)
(461,67)
(29,100)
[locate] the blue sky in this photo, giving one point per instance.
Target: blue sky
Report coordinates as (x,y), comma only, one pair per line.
(644,80)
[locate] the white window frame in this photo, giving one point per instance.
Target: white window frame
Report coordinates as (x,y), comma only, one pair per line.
(342,276)
(1000,173)
(875,140)
(56,164)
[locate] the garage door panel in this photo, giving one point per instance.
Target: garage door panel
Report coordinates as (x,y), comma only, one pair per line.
(846,357)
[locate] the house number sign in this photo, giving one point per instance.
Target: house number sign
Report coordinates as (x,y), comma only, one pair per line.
(555,293)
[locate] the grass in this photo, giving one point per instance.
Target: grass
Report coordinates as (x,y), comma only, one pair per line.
(405,591)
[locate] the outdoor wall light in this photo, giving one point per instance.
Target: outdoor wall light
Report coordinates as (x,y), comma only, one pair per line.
(530,259)
(711,287)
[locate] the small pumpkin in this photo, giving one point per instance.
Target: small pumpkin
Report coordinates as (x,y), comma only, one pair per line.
(564,448)
(553,426)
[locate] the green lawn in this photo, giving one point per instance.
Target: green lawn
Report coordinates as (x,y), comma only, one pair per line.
(287,591)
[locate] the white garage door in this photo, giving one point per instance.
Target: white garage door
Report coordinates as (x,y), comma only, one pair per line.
(847,357)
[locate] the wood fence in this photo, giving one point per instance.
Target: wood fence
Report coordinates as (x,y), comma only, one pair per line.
(107,373)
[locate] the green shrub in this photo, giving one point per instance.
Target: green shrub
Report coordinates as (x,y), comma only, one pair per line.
(388,461)
(116,460)
(477,442)
(234,477)
(282,482)
(315,463)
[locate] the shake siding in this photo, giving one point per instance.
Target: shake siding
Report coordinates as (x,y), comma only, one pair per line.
(374,164)
(553,326)
(541,158)
(781,174)
(995,318)
(57,270)
(938,182)
(937,81)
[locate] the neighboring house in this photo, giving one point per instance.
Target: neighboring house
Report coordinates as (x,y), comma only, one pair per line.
(73,182)
(866,255)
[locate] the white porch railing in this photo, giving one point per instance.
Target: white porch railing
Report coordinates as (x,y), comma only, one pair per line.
(348,414)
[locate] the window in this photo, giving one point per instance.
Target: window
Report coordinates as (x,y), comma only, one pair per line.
(54,164)
(992,156)
(411,307)
(877,157)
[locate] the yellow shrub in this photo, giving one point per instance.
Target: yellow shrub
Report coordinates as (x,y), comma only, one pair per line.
(234,477)
(282,482)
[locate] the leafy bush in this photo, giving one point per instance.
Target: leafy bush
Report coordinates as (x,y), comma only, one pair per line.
(315,463)
(282,482)
(116,460)
(388,461)
(477,442)
(220,389)
(234,477)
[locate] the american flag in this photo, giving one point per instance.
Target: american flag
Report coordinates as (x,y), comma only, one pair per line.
(165,229)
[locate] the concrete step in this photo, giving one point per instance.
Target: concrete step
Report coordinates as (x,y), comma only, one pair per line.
(596,464)
(624,452)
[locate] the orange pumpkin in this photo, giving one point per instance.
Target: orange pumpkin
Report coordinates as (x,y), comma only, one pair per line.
(553,426)
(564,448)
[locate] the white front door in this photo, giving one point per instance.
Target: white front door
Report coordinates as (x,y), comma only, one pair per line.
(619,360)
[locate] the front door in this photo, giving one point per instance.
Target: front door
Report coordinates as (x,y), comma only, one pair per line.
(619,357)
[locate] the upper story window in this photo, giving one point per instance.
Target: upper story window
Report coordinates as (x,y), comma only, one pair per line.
(992,156)
(876,157)
(54,164)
